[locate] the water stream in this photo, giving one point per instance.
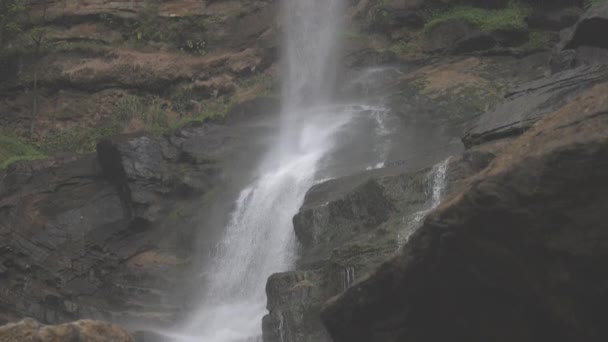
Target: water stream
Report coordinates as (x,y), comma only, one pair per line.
(259,238)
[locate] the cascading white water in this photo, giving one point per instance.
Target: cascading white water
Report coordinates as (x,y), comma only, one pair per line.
(259,238)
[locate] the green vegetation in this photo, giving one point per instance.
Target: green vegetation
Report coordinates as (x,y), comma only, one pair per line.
(410,47)
(209,109)
(261,84)
(150,113)
(510,18)
(10,13)
(538,41)
(594,2)
(186,34)
(13,148)
(154,116)
(77,139)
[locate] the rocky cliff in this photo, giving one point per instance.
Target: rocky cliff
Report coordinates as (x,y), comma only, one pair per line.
(143,117)
(78,72)
(503,258)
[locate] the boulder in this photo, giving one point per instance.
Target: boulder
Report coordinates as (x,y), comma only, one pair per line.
(29,330)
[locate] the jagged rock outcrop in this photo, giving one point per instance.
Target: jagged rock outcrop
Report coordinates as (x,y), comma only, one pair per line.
(109,235)
(340,248)
(347,228)
(581,44)
(28,330)
(519,254)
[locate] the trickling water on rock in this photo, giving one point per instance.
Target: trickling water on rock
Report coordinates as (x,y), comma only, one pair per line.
(438,182)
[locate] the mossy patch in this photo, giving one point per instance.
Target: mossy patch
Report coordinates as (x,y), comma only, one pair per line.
(510,18)
(76,139)
(539,41)
(13,149)
(211,109)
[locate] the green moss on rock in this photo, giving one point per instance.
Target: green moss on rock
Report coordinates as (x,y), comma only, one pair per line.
(13,149)
(510,18)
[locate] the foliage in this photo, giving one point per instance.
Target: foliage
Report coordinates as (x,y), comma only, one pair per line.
(13,148)
(150,113)
(77,139)
(210,109)
(184,34)
(182,99)
(513,17)
(261,84)
(10,13)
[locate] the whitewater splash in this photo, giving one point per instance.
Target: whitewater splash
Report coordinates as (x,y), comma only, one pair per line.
(259,238)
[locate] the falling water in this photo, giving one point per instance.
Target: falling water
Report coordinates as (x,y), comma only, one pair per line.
(438,182)
(349,277)
(259,238)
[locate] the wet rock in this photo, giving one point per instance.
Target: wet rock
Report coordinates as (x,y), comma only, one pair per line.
(28,330)
(148,336)
(585,33)
(296,322)
(361,209)
(554,19)
(532,101)
(394,14)
(444,35)
(581,45)
(352,237)
(103,236)
(518,254)
(474,42)
(563,60)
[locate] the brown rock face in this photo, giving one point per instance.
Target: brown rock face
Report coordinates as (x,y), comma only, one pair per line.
(519,255)
(28,330)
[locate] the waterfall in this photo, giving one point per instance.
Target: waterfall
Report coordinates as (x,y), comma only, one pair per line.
(349,277)
(259,238)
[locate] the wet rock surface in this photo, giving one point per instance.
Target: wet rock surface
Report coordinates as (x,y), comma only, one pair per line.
(526,105)
(28,330)
(347,227)
(485,258)
(108,235)
(518,254)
